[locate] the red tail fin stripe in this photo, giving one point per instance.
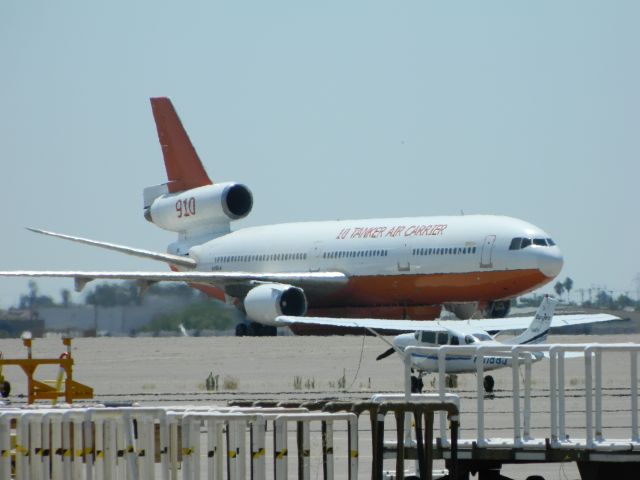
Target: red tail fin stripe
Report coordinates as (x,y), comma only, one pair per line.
(184,168)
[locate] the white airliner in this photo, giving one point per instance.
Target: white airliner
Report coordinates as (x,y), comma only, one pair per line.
(456,332)
(393,268)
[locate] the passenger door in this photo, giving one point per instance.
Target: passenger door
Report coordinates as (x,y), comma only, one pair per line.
(487,251)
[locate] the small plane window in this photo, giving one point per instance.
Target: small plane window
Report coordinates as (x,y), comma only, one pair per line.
(469,339)
(443,338)
(455,340)
(541,242)
(482,336)
(525,242)
(551,242)
(428,337)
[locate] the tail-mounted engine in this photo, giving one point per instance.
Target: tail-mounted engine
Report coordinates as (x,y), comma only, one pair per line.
(265,303)
(198,208)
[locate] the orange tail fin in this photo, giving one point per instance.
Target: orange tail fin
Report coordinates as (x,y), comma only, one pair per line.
(184,168)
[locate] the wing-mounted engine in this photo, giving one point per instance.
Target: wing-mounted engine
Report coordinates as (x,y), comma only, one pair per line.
(266,302)
(206,210)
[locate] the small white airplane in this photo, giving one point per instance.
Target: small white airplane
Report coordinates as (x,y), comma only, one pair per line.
(462,332)
(386,268)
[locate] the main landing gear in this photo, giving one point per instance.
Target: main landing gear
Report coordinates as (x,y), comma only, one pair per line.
(451,381)
(488,383)
(254,329)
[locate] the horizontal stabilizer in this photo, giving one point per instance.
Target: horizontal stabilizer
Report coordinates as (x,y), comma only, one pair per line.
(136,252)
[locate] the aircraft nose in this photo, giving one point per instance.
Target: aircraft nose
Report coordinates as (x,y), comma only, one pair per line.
(550,261)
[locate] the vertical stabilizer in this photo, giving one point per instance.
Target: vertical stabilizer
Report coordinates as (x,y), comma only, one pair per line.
(539,328)
(184,168)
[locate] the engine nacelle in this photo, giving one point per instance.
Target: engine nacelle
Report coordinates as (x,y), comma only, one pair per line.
(462,311)
(266,302)
(200,207)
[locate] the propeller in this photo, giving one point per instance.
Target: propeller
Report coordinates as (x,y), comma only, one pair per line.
(386,353)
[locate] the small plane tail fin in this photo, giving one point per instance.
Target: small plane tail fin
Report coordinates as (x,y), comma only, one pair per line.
(539,328)
(184,168)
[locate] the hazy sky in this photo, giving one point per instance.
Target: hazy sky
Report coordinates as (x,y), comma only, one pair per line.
(325,110)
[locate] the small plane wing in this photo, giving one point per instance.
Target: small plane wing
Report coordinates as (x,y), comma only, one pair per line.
(521,323)
(300,279)
(488,324)
(377,324)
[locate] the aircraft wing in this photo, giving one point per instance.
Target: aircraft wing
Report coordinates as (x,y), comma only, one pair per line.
(222,279)
(378,324)
(488,324)
(521,323)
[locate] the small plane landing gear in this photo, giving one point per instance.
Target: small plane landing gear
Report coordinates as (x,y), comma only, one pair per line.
(416,384)
(488,383)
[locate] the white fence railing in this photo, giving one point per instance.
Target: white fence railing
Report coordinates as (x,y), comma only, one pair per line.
(522,356)
(124,443)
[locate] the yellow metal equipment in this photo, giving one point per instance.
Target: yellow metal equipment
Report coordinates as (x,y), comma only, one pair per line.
(39,390)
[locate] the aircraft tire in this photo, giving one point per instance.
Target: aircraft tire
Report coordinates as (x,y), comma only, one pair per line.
(241,330)
(5,390)
(488,383)
(416,384)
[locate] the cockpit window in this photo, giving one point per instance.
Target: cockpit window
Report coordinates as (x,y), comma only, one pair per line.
(428,337)
(519,243)
(515,244)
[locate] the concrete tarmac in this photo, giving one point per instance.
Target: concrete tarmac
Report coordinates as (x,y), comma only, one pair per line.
(165,371)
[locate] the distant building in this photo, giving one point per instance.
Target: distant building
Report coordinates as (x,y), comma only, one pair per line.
(13,322)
